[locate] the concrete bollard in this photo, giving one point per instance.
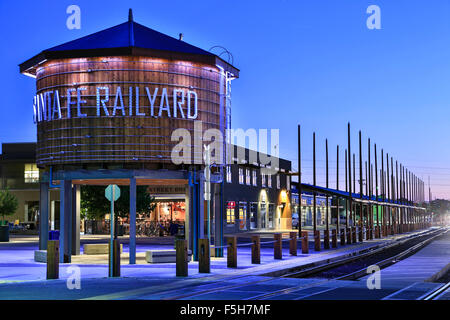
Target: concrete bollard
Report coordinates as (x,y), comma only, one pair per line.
(293,243)
(317,240)
(203,256)
(53,259)
(277,246)
(256,249)
(326,239)
(181,258)
(305,244)
(334,238)
(349,235)
(353,234)
(231,252)
(115,259)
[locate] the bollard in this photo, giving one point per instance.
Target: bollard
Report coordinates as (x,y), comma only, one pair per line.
(277,246)
(305,247)
(256,250)
(231,252)
(53,259)
(342,235)
(317,240)
(353,234)
(349,235)
(181,258)
(203,256)
(326,239)
(293,243)
(334,238)
(115,259)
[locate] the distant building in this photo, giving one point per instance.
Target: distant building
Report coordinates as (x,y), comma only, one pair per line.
(19,174)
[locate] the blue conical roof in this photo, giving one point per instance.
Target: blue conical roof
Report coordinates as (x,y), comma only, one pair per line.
(128,38)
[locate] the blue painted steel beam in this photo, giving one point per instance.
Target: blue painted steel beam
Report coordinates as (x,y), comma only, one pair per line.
(133,221)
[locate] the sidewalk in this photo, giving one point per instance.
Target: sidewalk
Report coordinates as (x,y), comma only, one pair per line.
(17,261)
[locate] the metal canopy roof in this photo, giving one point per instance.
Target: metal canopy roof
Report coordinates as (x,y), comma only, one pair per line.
(128,38)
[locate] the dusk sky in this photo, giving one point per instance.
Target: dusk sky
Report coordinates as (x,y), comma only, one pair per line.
(307,62)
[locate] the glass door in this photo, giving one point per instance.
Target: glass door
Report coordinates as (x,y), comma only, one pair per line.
(253,215)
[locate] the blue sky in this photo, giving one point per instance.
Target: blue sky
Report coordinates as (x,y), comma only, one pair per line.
(304,61)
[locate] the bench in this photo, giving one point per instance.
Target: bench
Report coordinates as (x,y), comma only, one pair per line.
(98,248)
(40,256)
(163,256)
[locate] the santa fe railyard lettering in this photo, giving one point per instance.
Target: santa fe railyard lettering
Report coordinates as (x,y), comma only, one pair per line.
(49,105)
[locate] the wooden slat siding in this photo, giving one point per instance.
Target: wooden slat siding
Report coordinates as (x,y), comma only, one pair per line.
(204,82)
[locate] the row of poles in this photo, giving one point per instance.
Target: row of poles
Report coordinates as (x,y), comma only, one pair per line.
(395,187)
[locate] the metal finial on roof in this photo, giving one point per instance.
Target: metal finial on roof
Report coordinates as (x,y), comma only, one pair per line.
(130,14)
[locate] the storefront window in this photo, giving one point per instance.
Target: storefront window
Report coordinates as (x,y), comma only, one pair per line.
(31,173)
(263,211)
(229,174)
(243,215)
(271,215)
(230,212)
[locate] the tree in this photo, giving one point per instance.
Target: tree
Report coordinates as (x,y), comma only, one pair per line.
(8,203)
(94,204)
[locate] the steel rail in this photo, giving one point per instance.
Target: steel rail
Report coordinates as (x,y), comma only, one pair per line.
(286,290)
(435,294)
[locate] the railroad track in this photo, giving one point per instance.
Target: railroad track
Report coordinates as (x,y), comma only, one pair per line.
(437,293)
(312,270)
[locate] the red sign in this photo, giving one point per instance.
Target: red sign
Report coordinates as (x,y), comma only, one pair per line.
(231,204)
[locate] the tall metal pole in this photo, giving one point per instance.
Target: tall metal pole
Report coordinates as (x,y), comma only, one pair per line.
(337,188)
(349,171)
(370,205)
(327,213)
(299,207)
(388,194)
(393,191)
(354,172)
(361,215)
(346,189)
(397,197)
(354,187)
(376,189)
(314,181)
(401,198)
(383,198)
